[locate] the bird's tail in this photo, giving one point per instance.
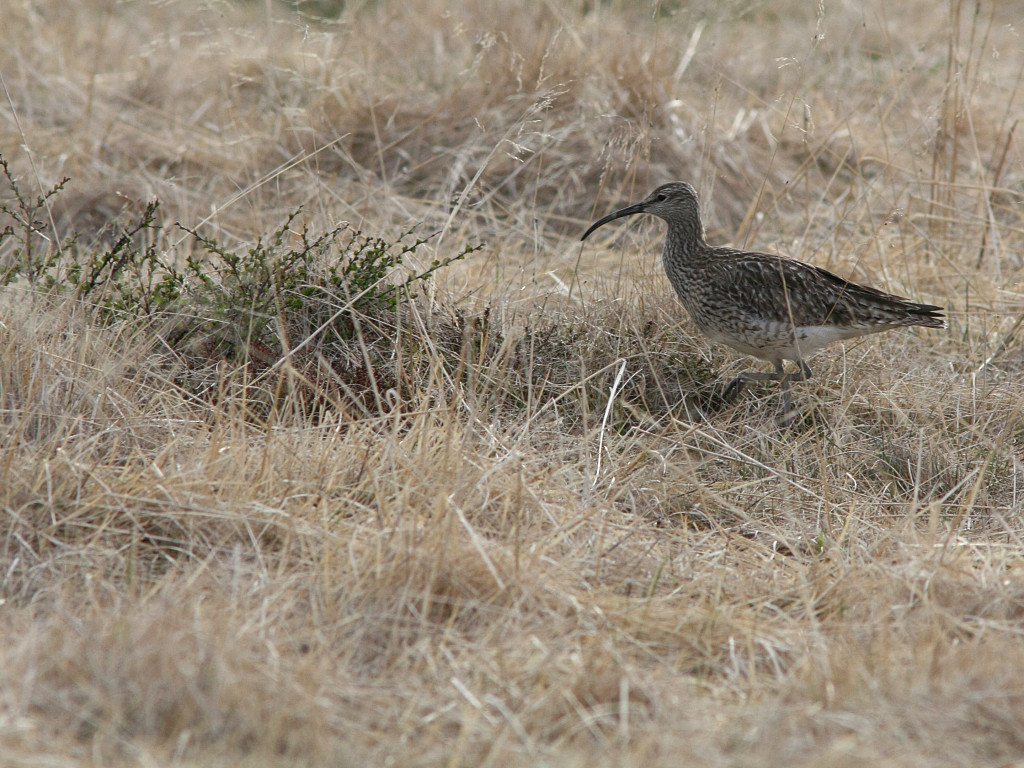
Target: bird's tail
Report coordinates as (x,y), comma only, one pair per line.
(926,315)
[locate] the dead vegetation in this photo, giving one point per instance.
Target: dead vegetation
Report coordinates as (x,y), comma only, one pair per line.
(502,517)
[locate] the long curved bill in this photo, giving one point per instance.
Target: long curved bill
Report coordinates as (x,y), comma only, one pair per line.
(627,211)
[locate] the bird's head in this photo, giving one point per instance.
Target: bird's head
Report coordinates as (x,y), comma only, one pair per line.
(676,203)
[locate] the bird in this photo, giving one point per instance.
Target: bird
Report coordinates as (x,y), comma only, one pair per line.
(765,305)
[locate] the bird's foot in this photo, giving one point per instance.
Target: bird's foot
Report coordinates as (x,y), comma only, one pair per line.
(733,388)
(788,416)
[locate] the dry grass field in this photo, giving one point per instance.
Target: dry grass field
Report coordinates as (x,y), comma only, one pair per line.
(321,503)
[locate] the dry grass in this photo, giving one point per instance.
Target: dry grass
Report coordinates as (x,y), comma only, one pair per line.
(530,541)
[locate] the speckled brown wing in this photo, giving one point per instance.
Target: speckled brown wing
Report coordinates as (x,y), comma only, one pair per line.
(778,289)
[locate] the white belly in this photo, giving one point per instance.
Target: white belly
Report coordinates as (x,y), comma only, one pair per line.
(778,341)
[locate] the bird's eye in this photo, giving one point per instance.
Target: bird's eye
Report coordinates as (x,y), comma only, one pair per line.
(661,198)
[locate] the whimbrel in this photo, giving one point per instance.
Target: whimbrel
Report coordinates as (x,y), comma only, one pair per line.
(768,306)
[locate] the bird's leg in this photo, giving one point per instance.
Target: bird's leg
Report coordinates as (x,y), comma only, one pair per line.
(736,385)
(785,378)
(787,398)
(733,388)
(746,377)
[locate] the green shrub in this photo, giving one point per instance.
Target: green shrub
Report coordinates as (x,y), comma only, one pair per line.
(291,279)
